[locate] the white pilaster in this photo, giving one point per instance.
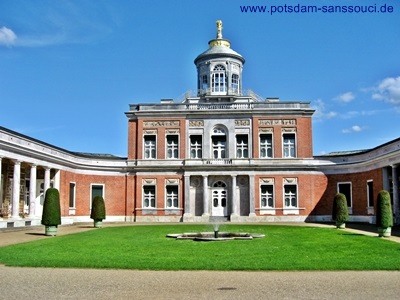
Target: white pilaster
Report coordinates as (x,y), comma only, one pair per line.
(233,197)
(187,208)
(1,188)
(206,210)
(46,179)
(57,179)
(32,191)
(251,196)
(16,190)
(396,204)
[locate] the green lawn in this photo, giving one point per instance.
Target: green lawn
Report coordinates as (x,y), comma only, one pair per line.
(145,247)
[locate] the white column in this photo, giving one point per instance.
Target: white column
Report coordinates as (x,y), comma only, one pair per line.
(233,197)
(57,179)
(251,196)
(1,188)
(396,209)
(46,179)
(32,191)
(187,208)
(16,190)
(206,211)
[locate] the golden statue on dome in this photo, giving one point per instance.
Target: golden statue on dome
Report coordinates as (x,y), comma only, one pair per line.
(219,29)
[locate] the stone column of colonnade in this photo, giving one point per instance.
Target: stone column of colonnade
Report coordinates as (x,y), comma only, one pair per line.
(16,190)
(396,204)
(32,191)
(1,187)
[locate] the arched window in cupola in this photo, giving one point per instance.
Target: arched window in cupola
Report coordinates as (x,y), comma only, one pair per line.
(218,80)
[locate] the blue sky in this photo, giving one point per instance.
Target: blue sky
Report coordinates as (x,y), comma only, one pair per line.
(70,69)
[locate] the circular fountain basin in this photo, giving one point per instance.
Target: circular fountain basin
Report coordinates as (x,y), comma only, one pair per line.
(210,236)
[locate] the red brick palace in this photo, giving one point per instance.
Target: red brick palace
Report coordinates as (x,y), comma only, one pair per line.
(221,153)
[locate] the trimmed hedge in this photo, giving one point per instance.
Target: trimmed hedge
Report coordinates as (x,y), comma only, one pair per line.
(340,213)
(51,215)
(384,214)
(98,212)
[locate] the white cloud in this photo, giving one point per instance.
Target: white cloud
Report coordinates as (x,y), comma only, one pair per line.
(346,97)
(354,128)
(7,36)
(321,112)
(388,90)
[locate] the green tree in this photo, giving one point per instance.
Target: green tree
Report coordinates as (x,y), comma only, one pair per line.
(384,215)
(340,212)
(51,215)
(98,212)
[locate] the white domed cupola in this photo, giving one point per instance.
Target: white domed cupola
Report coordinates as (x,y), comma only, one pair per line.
(219,69)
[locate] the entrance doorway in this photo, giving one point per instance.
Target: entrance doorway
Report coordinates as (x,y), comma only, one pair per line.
(219,199)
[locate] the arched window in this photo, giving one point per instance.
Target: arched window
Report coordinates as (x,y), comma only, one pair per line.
(218,143)
(219,79)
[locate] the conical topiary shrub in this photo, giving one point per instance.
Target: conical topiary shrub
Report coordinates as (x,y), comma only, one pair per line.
(98,213)
(384,215)
(340,213)
(51,216)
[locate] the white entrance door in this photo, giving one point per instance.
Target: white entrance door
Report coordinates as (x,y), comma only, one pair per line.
(219,199)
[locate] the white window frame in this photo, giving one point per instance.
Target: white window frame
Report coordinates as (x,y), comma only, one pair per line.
(242,147)
(174,148)
(196,147)
(218,79)
(267,196)
(144,197)
(266,146)
(73,195)
(370,208)
(167,197)
(150,147)
(296,195)
(235,84)
(287,147)
(220,148)
(350,206)
(91,191)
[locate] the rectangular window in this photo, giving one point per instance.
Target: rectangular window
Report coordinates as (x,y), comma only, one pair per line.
(149,196)
(289,145)
(235,83)
(172,196)
(345,188)
(290,196)
(97,190)
(266,146)
(72,187)
(149,146)
(172,146)
(267,196)
(370,193)
(242,146)
(204,83)
(196,147)
(219,146)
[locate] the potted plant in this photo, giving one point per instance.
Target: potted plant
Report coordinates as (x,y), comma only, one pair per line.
(51,216)
(340,213)
(98,213)
(384,215)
